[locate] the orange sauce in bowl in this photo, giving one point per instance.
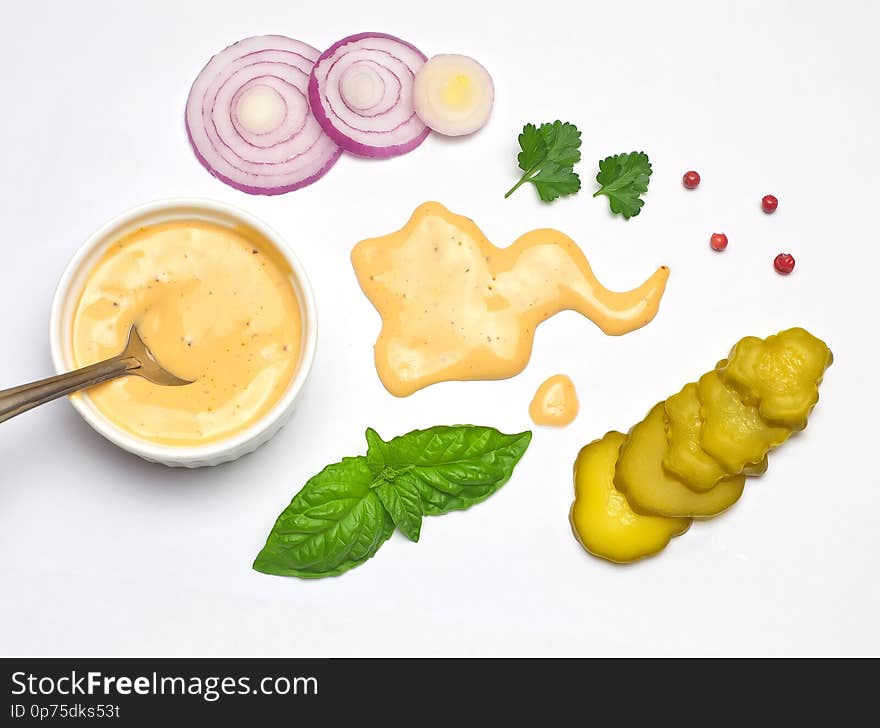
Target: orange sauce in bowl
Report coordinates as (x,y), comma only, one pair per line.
(215,305)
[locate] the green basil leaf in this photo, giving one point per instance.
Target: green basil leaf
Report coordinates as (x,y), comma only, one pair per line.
(375,458)
(336,522)
(401,499)
(452,467)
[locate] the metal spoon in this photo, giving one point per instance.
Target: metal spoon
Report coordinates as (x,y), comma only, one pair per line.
(136,359)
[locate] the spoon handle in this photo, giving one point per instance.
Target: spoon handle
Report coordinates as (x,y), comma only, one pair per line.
(16,400)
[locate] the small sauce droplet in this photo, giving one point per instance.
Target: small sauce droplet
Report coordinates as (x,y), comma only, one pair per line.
(555,403)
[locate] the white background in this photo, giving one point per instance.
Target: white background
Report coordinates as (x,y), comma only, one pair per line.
(101,553)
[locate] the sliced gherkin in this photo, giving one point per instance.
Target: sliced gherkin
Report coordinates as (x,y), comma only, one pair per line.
(650,489)
(685,457)
(733,432)
(601,517)
(780,374)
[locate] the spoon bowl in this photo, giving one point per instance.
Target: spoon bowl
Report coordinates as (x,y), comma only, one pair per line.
(148,367)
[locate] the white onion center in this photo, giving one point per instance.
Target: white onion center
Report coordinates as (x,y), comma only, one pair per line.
(260,109)
(453,94)
(362,87)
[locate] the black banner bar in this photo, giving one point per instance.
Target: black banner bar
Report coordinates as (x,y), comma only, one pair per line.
(238,691)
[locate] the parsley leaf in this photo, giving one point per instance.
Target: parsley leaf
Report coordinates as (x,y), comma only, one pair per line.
(563,142)
(624,178)
(554,181)
(534,148)
(548,156)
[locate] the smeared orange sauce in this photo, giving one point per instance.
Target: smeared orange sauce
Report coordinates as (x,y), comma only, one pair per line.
(455,307)
(214,305)
(555,403)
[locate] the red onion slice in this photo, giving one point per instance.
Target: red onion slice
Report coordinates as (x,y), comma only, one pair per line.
(249,121)
(361,92)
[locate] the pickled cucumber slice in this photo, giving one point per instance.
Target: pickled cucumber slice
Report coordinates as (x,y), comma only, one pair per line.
(753,470)
(650,489)
(685,457)
(733,432)
(601,518)
(781,374)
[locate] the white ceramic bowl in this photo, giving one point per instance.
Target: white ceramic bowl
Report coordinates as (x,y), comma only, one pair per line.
(70,288)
